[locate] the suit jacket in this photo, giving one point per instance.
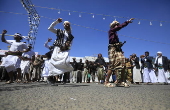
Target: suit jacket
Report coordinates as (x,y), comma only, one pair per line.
(147,62)
(74,65)
(164,62)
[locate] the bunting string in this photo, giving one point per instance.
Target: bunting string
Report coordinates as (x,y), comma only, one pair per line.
(92,29)
(25,37)
(93,14)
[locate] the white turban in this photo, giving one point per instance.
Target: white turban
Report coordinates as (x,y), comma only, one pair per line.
(114,23)
(159,52)
(66,22)
(17,34)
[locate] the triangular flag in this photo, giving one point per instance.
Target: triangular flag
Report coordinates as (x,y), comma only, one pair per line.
(150,23)
(104,18)
(139,22)
(160,24)
(79,15)
(69,13)
(59,12)
(93,16)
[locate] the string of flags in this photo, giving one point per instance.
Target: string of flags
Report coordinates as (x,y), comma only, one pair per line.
(103,15)
(91,28)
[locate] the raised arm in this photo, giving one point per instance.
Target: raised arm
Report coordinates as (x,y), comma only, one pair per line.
(51,28)
(3,36)
(46,43)
(120,26)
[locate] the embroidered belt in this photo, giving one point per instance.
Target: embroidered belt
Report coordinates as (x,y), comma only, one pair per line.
(160,67)
(128,67)
(14,53)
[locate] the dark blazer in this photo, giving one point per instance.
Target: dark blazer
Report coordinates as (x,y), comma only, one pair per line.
(137,63)
(74,65)
(101,61)
(80,66)
(165,63)
(147,63)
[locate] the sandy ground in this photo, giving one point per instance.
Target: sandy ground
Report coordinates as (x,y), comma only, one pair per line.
(83,96)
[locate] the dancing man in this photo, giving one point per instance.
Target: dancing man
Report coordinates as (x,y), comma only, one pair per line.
(12,61)
(60,60)
(25,63)
(116,57)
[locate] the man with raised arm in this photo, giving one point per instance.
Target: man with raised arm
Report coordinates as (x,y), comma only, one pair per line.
(116,57)
(60,60)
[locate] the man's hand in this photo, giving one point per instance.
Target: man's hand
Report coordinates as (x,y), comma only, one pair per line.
(59,20)
(133,58)
(142,56)
(49,39)
(131,19)
(4,31)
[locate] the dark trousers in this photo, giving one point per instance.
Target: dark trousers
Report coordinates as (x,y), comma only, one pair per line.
(3,74)
(66,77)
(93,75)
(79,76)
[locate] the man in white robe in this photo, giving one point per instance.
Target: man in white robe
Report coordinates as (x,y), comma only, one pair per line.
(25,63)
(45,72)
(12,62)
(60,60)
(149,75)
(136,69)
(161,65)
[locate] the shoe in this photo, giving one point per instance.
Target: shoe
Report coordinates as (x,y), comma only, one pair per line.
(18,81)
(63,83)
(49,82)
(165,83)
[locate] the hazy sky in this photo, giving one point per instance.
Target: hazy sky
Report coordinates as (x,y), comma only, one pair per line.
(90,41)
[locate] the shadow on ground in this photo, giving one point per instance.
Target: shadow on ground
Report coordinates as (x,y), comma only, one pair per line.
(15,86)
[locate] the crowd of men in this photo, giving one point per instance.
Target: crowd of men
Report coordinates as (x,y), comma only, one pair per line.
(89,71)
(22,65)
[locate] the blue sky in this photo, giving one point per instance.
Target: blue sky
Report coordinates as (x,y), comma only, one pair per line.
(89,42)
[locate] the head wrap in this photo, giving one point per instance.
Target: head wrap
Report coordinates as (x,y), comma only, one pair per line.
(66,22)
(17,34)
(114,23)
(146,52)
(159,52)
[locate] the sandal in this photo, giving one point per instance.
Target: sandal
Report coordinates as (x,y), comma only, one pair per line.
(126,85)
(25,82)
(18,81)
(109,85)
(9,82)
(116,82)
(120,84)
